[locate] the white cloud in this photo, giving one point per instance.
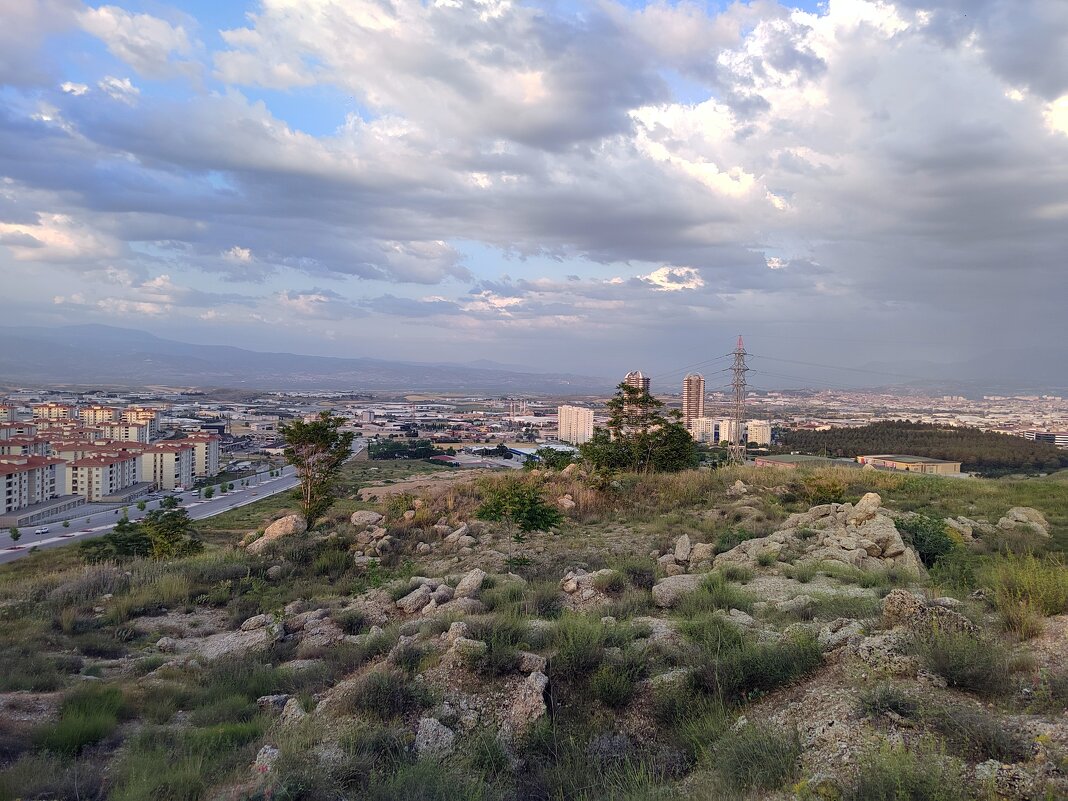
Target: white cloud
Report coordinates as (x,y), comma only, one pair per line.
(146,43)
(674,279)
(238,254)
(76,89)
(120,89)
(1056,114)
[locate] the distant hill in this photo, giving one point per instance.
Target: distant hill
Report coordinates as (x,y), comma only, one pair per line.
(100,354)
(978,451)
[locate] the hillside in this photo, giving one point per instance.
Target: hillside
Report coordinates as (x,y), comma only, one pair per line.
(97,354)
(978,451)
(730,634)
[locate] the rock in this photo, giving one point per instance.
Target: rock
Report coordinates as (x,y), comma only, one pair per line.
(293,712)
(321,632)
(466,542)
(469,649)
(265,759)
(386,545)
(364,519)
(527,708)
(666,559)
(799,603)
(167,645)
(531,663)
(415,600)
(566,502)
(274,572)
(962,527)
(667,592)
(1025,516)
(442,594)
(867,507)
(737,489)
(683,548)
(457,631)
(433,739)
(674,569)
(903,608)
(423,548)
(569,585)
(272,703)
(740,618)
(255,622)
(570,470)
(839,633)
(409,515)
(461,531)
(470,584)
(702,552)
(283,527)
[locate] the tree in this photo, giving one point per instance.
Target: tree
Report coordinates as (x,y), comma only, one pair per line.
(126,541)
(519,502)
(639,438)
(209,492)
(141,506)
(15,533)
(550,458)
(170,533)
(66,524)
(317,450)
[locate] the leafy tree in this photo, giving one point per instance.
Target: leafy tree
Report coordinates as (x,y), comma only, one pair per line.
(519,502)
(317,450)
(126,541)
(209,492)
(170,533)
(15,533)
(141,506)
(640,438)
(66,524)
(550,458)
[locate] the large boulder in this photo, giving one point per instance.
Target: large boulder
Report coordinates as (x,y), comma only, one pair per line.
(470,585)
(904,608)
(283,527)
(365,518)
(683,548)
(1025,516)
(866,508)
(433,739)
(667,592)
(415,600)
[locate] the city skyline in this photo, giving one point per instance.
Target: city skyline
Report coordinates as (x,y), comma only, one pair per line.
(873,185)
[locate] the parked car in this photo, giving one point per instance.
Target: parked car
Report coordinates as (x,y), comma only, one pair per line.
(41,530)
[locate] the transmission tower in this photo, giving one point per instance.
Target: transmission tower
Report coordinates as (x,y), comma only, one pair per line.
(736,447)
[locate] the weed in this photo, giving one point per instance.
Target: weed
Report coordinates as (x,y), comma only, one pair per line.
(739,573)
(631,603)
(1042,584)
(711,633)
(884,698)
(755,668)
(731,538)
(977,735)
(543,600)
(610,583)
(965,661)
(87,715)
(580,643)
(407,657)
(928,535)
(387,694)
(895,773)
(351,621)
(803,573)
(715,593)
(757,758)
(639,573)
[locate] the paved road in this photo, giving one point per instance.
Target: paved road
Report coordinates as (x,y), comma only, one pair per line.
(94,525)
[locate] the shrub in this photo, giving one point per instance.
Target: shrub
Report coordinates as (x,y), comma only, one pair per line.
(756,668)
(757,757)
(351,621)
(804,572)
(711,633)
(543,600)
(731,538)
(739,573)
(639,572)
(519,502)
(21,668)
(885,698)
(387,694)
(407,657)
(87,716)
(767,558)
(580,643)
(610,583)
(715,593)
(965,661)
(612,686)
(928,535)
(1041,584)
(892,774)
(978,735)
(631,603)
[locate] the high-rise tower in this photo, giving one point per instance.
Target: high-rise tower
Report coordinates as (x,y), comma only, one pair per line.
(736,448)
(693,398)
(635,379)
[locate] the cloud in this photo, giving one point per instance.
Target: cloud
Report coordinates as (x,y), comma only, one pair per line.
(76,89)
(120,89)
(674,279)
(146,43)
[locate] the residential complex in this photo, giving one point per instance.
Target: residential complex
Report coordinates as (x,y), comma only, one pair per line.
(167,465)
(758,432)
(635,379)
(98,477)
(693,398)
(703,429)
(575,424)
(92,415)
(205,453)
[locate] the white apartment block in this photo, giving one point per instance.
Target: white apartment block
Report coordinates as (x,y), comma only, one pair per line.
(7,412)
(96,477)
(124,432)
(26,480)
(703,429)
(729,431)
(574,424)
(143,415)
(24,446)
(12,429)
(205,453)
(54,411)
(167,465)
(758,432)
(92,415)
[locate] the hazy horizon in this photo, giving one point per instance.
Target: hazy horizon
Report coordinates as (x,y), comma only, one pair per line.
(581,187)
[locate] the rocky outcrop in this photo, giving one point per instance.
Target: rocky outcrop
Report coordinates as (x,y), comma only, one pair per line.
(283,527)
(470,585)
(1024,517)
(669,591)
(527,707)
(913,612)
(365,518)
(861,536)
(433,739)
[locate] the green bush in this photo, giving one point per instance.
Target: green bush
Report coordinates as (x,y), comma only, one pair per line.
(21,668)
(731,538)
(757,758)
(804,572)
(928,535)
(738,573)
(893,774)
(632,603)
(580,643)
(737,674)
(543,600)
(387,694)
(86,716)
(711,633)
(715,592)
(613,683)
(977,735)
(639,572)
(965,661)
(519,502)
(1041,584)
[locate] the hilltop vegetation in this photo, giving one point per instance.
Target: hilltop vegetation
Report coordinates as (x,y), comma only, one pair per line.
(978,451)
(685,636)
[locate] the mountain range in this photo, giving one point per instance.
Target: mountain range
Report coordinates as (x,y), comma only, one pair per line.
(100,354)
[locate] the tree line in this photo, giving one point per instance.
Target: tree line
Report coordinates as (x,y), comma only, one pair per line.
(977,451)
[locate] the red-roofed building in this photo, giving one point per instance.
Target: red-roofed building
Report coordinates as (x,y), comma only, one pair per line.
(95,477)
(26,480)
(92,415)
(167,464)
(54,411)
(205,453)
(124,432)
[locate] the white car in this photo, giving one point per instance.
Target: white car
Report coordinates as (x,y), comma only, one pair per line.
(41,530)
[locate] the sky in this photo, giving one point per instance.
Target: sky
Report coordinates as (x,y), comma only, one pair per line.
(583,186)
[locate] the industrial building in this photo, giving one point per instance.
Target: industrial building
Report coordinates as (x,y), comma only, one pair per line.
(911,464)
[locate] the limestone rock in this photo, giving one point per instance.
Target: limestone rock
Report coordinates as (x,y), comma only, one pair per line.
(293,712)
(365,518)
(470,584)
(433,739)
(283,527)
(265,759)
(867,507)
(531,663)
(457,631)
(255,622)
(702,552)
(737,489)
(469,649)
(683,548)
(272,703)
(903,608)
(566,502)
(415,600)
(1025,516)
(667,592)
(527,708)
(274,572)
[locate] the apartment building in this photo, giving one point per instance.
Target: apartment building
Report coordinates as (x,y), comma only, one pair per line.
(143,415)
(205,453)
(7,412)
(92,415)
(124,431)
(17,429)
(693,398)
(574,424)
(167,465)
(703,429)
(729,431)
(28,480)
(54,411)
(96,477)
(758,432)
(22,445)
